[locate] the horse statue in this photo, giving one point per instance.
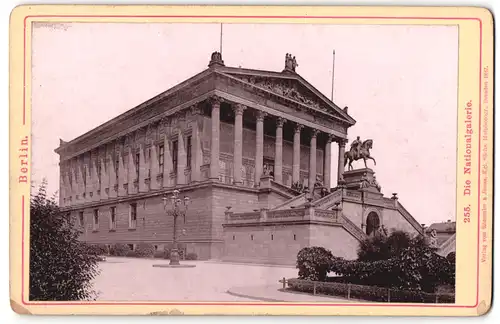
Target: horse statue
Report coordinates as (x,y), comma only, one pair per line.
(364,153)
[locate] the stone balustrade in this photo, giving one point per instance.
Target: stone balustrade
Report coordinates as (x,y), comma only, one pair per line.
(292,214)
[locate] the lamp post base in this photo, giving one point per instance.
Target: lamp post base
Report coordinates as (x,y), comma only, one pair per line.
(174,257)
(174,266)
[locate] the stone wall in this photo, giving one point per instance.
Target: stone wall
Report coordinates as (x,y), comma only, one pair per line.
(393,220)
(334,238)
(203,226)
(279,244)
(265,244)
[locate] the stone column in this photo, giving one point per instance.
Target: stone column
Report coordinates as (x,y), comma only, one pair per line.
(214,144)
(122,174)
(89,185)
(104,179)
(259,146)
(296,154)
(278,155)
(181,159)
(312,160)
(132,171)
(154,167)
(143,169)
(328,163)
(238,143)
(73,182)
(95,180)
(197,153)
(167,163)
(112,177)
(80,182)
(340,166)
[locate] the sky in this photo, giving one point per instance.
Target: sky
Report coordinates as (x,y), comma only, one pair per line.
(399,82)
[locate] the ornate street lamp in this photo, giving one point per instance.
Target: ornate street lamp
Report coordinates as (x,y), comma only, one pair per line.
(178,207)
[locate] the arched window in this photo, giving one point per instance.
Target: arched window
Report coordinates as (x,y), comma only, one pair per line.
(372,223)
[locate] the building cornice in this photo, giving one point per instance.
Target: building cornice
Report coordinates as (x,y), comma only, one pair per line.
(206,74)
(158,99)
(159,192)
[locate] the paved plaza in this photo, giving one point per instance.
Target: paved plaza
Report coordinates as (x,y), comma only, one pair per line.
(125,279)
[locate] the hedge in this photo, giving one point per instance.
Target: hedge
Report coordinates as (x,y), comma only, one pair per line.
(99,249)
(371,293)
(145,250)
(132,254)
(119,249)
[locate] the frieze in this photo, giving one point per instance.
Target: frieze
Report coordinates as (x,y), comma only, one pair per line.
(353,195)
(326,214)
(286,213)
(330,124)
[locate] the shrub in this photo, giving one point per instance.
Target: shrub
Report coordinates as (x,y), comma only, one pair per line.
(132,254)
(61,266)
(314,263)
(192,256)
(145,250)
(159,255)
(119,249)
(100,249)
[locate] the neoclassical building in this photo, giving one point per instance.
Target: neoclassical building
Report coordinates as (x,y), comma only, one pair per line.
(239,143)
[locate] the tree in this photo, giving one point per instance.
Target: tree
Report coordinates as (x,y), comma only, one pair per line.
(381,247)
(423,268)
(61,267)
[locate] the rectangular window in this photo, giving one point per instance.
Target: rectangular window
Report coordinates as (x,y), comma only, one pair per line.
(175,148)
(95,223)
(117,167)
(137,159)
(84,176)
(99,168)
(161,157)
(81,219)
(148,164)
(188,151)
(133,216)
(112,218)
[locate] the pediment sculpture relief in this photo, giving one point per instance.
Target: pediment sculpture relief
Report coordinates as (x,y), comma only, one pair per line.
(286,89)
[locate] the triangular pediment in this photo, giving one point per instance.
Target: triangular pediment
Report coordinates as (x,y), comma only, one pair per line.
(293,87)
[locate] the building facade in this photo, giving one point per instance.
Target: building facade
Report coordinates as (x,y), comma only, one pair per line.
(229,138)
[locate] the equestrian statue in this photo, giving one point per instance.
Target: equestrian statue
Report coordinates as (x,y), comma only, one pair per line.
(359,150)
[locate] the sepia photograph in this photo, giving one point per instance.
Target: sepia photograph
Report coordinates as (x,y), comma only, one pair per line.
(243,162)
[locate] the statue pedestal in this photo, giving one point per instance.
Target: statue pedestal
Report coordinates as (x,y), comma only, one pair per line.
(361,179)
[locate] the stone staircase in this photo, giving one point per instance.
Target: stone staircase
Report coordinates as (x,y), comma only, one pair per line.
(297,201)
